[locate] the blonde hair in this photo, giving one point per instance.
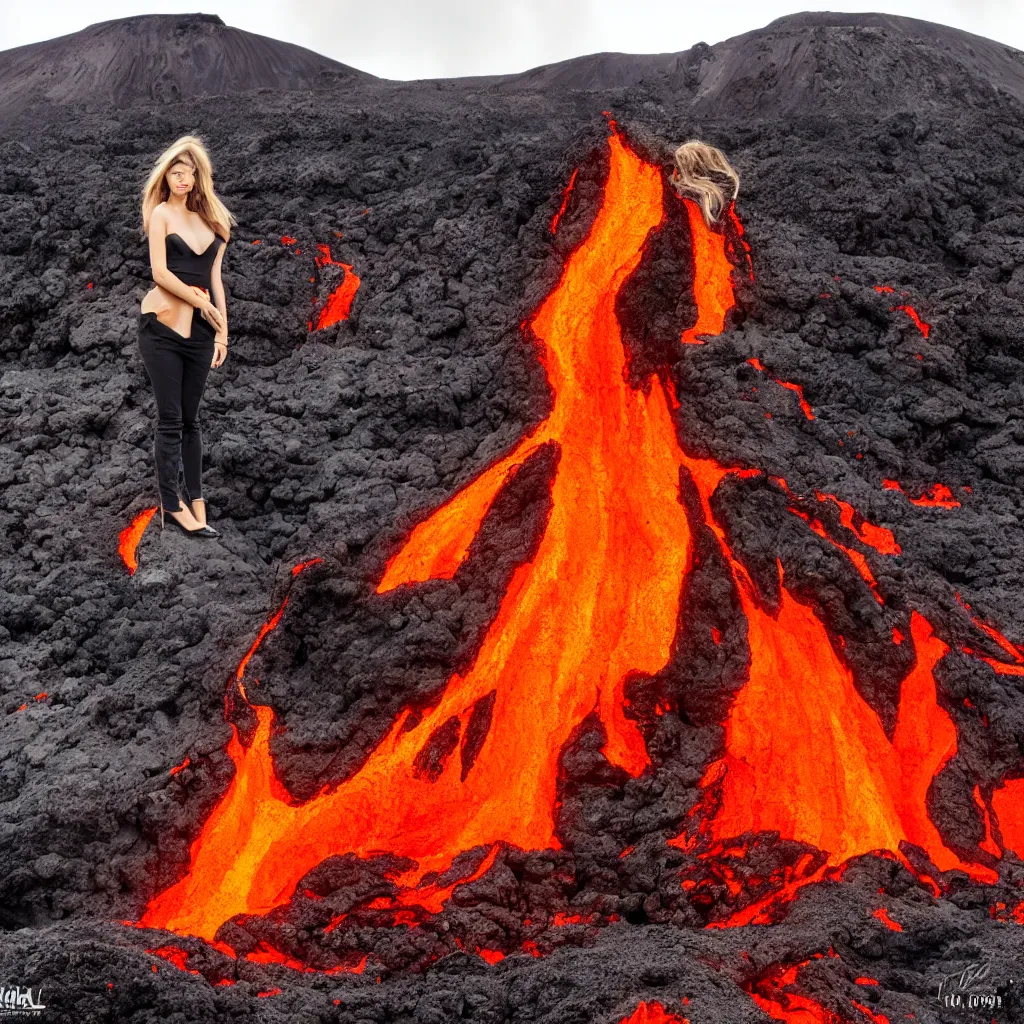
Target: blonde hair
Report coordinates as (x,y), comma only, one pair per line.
(201,199)
(705,173)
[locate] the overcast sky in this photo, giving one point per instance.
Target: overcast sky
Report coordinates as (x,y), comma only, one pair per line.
(445,38)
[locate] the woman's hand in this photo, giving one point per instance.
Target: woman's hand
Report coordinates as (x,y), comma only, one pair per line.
(220,350)
(211,314)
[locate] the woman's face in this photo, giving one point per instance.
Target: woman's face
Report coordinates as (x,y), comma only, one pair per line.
(180,178)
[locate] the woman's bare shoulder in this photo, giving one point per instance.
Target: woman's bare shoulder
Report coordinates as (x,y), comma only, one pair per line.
(159,215)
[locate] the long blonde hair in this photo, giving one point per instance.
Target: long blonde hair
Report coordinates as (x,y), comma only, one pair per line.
(704,172)
(201,199)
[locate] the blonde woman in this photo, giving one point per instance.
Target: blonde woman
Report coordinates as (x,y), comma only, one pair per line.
(183,330)
(703,173)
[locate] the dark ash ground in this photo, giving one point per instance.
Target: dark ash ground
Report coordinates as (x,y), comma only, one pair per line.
(871,153)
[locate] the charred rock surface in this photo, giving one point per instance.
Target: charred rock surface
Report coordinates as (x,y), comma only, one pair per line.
(334,444)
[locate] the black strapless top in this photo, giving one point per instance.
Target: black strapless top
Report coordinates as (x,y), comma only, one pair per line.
(192,267)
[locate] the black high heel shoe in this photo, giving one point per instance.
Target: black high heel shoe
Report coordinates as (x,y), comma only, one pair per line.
(203,531)
(192,510)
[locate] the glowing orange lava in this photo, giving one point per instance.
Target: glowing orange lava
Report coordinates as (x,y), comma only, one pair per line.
(924,328)
(937,496)
(741,235)
(883,915)
(797,389)
(653,1013)
(176,956)
(988,844)
(877,537)
(859,561)
(806,756)
(1001,667)
(769,993)
(712,277)
(339,302)
(565,201)
(129,537)
(1008,807)
(875,1018)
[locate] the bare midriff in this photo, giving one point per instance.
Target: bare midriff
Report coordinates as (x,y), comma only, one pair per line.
(170,310)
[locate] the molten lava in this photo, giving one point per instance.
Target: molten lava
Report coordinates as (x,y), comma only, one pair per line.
(805,754)
(1008,807)
(860,563)
(712,276)
(653,1013)
(797,389)
(877,537)
(924,328)
(339,302)
(883,915)
(129,537)
(597,603)
(769,992)
(565,201)
(938,495)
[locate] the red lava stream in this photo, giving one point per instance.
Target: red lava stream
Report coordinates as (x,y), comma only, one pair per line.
(598,602)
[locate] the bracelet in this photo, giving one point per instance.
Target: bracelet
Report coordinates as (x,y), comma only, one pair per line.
(224,343)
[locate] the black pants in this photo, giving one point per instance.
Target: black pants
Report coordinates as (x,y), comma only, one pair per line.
(178,368)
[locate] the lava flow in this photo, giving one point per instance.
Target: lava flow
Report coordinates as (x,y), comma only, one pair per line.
(128,539)
(597,603)
(653,1013)
(585,613)
(339,302)
(937,496)
(712,276)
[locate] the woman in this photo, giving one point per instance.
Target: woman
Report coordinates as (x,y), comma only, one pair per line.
(183,332)
(703,172)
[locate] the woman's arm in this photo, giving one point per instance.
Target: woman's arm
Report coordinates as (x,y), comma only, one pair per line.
(158,261)
(217,290)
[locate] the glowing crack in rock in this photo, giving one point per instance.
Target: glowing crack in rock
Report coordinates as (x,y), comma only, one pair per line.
(597,603)
(565,201)
(937,496)
(924,328)
(770,993)
(797,389)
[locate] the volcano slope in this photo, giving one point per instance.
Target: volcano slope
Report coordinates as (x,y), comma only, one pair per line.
(244,781)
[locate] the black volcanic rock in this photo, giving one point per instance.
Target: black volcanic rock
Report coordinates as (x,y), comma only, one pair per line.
(335,443)
(158,58)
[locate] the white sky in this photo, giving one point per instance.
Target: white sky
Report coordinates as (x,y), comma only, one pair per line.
(445,38)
